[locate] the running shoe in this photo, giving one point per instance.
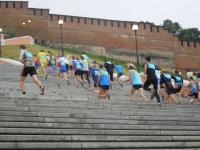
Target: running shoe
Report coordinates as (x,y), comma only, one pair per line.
(42,90)
(46,77)
(191,101)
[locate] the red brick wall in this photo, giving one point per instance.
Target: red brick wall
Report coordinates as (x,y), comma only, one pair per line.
(110,34)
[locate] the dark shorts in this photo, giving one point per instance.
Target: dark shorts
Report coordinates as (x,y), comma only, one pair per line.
(37,64)
(137,86)
(29,71)
(104,87)
(178,89)
(96,84)
(119,75)
(71,68)
(78,73)
(67,67)
(195,95)
(170,89)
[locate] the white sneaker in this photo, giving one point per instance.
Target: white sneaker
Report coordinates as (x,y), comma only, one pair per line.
(191,101)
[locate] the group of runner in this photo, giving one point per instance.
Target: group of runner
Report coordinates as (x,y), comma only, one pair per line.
(83,70)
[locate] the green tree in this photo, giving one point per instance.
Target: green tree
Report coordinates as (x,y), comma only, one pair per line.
(167,24)
(191,34)
(173,27)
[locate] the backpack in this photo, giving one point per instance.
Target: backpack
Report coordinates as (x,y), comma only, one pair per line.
(28,59)
(110,67)
(27,55)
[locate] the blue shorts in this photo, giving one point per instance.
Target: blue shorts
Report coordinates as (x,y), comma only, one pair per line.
(63,69)
(37,64)
(53,67)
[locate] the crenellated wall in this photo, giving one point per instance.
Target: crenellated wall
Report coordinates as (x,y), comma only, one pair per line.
(113,36)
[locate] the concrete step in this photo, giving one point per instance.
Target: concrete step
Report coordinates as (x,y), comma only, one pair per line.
(133,132)
(140,121)
(98,126)
(76,111)
(96,145)
(96,138)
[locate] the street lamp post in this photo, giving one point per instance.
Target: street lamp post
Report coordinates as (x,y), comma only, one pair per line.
(0,40)
(60,22)
(29,27)
(135,29)
(24,24)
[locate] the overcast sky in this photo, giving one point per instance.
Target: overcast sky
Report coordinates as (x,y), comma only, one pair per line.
(186,12)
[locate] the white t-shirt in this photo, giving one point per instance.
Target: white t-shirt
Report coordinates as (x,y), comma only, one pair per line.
(63,61)
(158,74)
(85,66)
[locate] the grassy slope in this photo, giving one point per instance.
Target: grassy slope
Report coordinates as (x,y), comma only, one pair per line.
(13,51)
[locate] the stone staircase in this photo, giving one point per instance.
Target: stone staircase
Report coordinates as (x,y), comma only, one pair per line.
(73,118)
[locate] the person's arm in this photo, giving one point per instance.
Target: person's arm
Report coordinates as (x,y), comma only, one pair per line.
(181,80)
(145,68)
(173,77)
(98,78)
(161,80)
(130,77)
(21,56)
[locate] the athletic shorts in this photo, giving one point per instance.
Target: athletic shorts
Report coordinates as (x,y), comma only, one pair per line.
(67,67)
(43,63)
(53,67)
(78,73)
(104,87)
(170,89)
(63,69)
(71,68)
(37,64)
(29,71)
(178,89)
(137,86)
(195,95)
(119,75)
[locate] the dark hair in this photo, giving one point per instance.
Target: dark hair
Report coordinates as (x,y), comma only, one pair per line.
(191,78)
(82,58)
(101,66)
(41,50)
(148,58)
(23,47)
(130,67)
(176,72)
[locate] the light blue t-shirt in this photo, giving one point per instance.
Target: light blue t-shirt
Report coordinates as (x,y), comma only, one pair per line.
(104,77)
(119,69)
(136,77)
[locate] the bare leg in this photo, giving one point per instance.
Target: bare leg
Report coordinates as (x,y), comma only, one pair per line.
(102,93)
(44,70)
(65,75)
(132,92)
(38,83)
(21,82)
(173,98)
(142,94)
(36,80)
